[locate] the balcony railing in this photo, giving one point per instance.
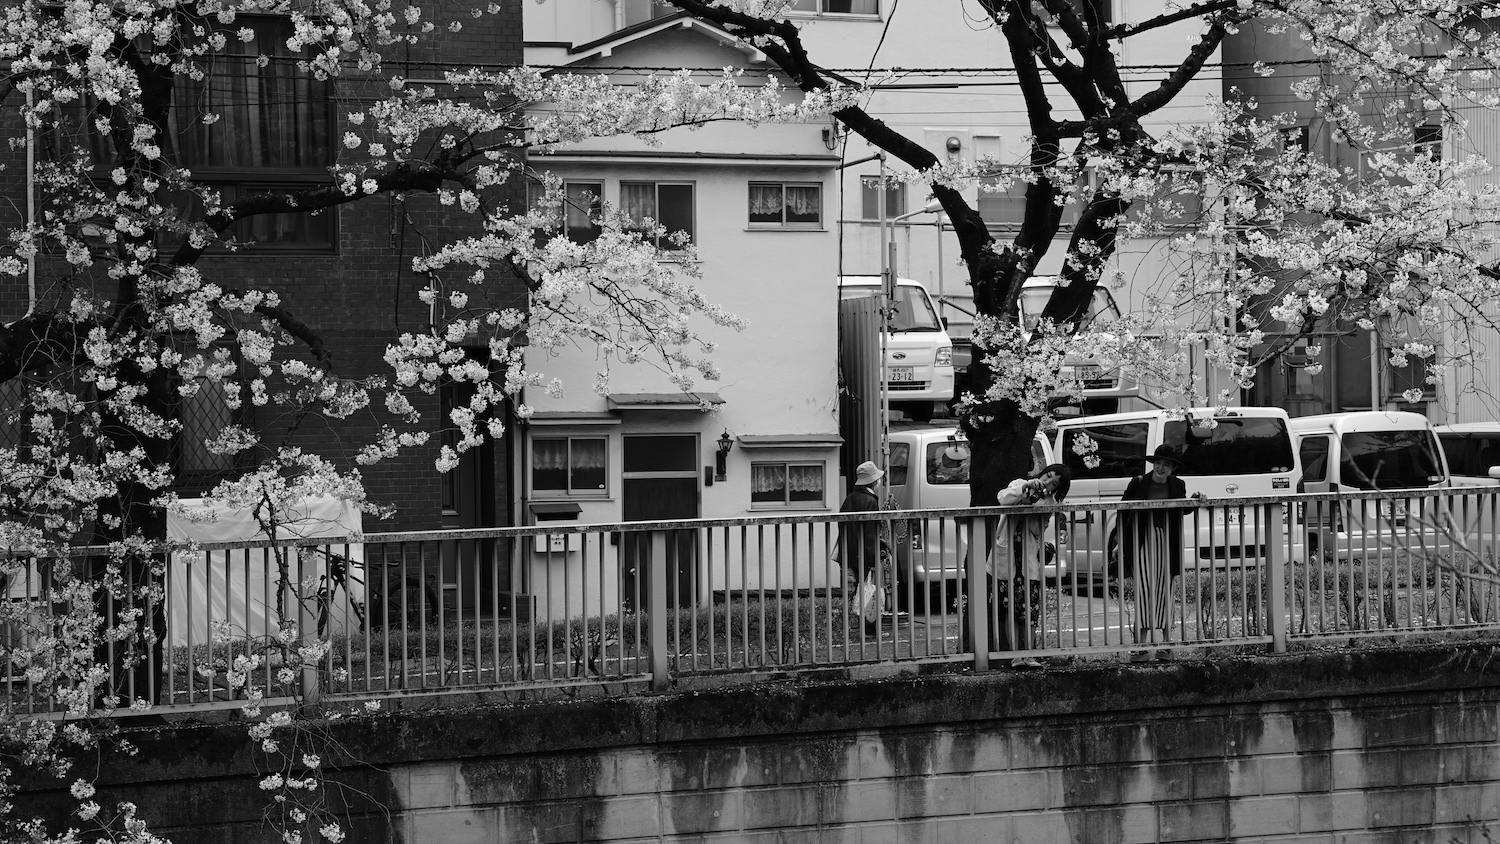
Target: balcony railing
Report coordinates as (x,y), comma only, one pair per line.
(653,605)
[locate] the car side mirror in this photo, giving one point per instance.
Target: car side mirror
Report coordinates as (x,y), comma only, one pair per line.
(1495,472)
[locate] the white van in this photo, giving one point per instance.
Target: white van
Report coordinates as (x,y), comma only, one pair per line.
(1472,450)
(1245,452)
(918,353)
(1101,388)
(1361,451)
(929,470)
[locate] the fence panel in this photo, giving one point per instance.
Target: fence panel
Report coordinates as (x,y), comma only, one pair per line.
(642,604)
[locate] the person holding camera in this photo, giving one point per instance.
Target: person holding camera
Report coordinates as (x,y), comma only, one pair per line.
(1018,556)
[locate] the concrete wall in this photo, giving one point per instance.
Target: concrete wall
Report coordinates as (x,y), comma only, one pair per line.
(1368,746)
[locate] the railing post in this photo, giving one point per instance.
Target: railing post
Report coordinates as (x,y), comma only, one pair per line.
(1276,545)
(307,625)
(977,608)
(657,609)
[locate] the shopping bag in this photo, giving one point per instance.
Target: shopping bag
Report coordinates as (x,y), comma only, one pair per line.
(868,599)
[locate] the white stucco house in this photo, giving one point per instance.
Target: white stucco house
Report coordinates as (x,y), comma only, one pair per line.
(759,204)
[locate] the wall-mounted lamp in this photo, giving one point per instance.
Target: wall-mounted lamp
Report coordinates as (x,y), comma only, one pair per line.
(953,144)
(726,442)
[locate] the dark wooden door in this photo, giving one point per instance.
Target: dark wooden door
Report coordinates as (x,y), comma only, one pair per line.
(660,483)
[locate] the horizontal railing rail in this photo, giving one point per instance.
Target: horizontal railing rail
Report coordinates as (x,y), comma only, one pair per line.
(650,604)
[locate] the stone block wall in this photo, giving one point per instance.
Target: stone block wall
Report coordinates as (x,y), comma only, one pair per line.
(1371,746)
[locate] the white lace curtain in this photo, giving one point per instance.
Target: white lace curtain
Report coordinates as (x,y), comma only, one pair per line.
(638,200)
(553,455)
(798,200)
(773,477)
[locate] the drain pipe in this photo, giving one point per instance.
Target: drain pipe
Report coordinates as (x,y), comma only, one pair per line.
(30,203)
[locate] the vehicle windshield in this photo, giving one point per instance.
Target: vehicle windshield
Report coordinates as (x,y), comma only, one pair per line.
(911,310)
(1034,299)
(1390,460)
(1240,445)
(948,463)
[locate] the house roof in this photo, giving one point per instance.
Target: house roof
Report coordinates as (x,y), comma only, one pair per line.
(680,20)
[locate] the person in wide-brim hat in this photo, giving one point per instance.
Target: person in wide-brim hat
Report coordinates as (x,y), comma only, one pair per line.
(1166,454)
(867,473)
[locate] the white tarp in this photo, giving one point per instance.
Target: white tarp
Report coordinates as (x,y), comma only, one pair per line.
(240,587)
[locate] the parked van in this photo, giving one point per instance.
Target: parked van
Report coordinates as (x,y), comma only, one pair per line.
(918,353)
(1472,450)
(929,470)
(1102,389)
(1244,452)
(1361,451)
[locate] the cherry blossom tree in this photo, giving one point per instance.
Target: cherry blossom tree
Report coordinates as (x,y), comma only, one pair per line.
(1399,247)
(129,321)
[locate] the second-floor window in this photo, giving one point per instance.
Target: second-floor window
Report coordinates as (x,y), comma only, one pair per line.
(786,204)
(668,204)
(274,133)
(895,198)
(844,7)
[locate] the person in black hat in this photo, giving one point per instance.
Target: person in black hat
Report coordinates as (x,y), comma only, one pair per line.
(1151,546)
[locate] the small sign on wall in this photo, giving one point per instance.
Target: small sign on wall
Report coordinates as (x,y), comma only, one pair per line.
(558,543)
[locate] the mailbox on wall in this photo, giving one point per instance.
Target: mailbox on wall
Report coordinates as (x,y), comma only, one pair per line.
(545,512)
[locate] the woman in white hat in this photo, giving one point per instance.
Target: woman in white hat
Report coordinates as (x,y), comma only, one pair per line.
(859,542)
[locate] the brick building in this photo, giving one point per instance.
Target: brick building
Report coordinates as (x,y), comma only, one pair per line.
(346,272)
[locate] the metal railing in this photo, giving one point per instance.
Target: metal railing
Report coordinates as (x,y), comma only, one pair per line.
(652,604)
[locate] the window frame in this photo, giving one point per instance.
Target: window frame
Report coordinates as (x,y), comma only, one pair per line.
(869,185)
(821,12)
(569,493)
(665,242)
(1075,461)
(816,225)
(251,181)
(787,503)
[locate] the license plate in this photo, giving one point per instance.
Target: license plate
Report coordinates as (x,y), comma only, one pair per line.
(1399,507)
(1227,517)
(1087,372)
(902,373)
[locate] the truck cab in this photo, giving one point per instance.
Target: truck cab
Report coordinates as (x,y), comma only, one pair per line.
(918,350)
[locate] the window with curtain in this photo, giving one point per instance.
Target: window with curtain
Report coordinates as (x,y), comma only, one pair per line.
(837,7)
(786,484)
(786,204)
(895,198)
(274,133)
(569,465)
(668,204)
(582,204)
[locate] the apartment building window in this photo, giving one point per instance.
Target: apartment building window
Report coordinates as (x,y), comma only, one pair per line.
(1003,207)
(203,415)
(569,466)
(786,205)
(1294,138)
(275,132)
(786,484)
(578,217)
(668,204)
(837,7)
(1413,376)
(895,198)
(1429,141)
